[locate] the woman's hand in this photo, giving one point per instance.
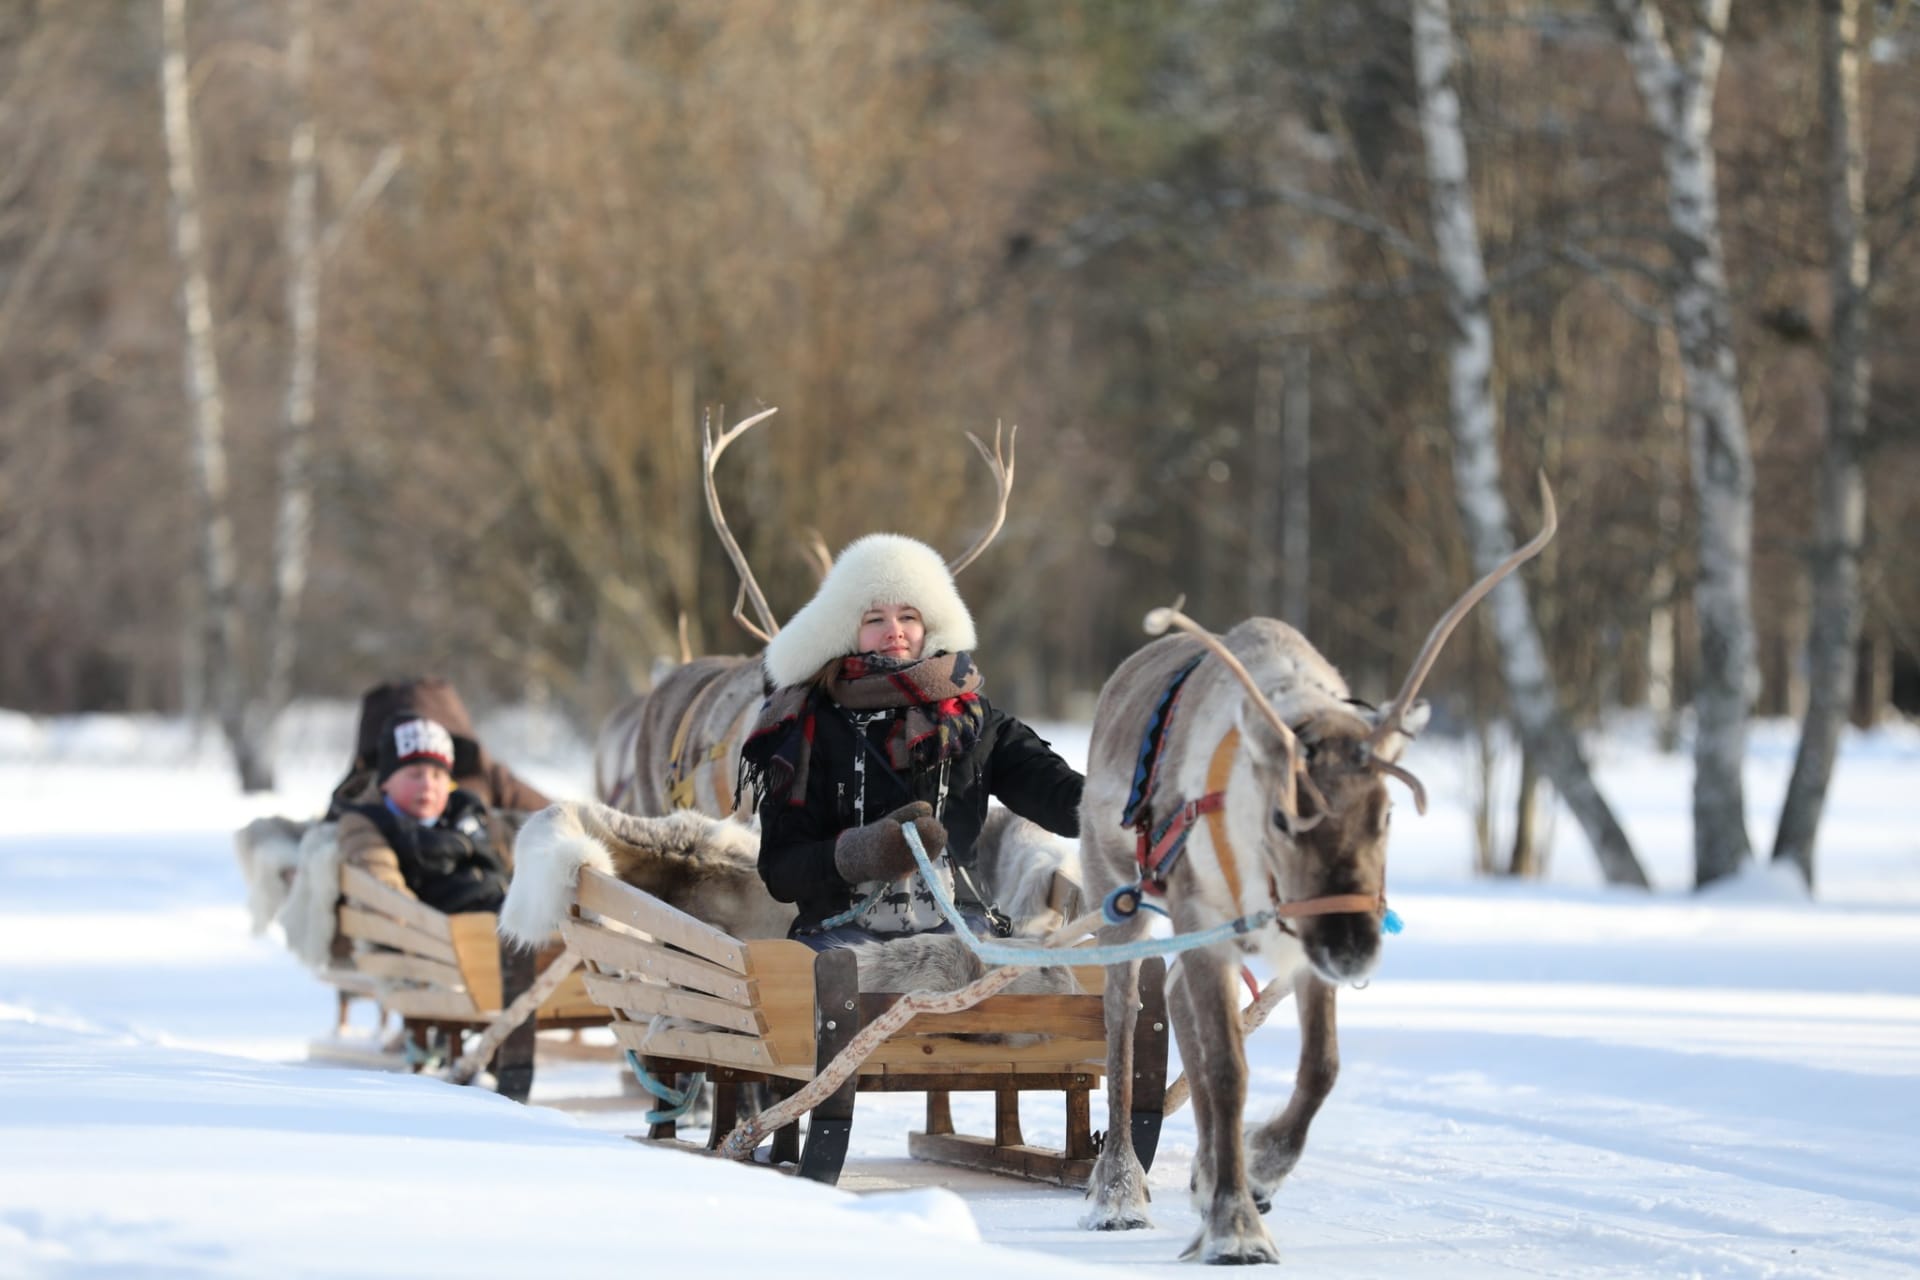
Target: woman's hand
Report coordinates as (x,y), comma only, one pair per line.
(878,851)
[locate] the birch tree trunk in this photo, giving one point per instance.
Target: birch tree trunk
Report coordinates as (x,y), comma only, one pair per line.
(1476,458)
(206,402)
(1296,509)
(1277,527)
(1679,101)
(293,526)
(1834,630)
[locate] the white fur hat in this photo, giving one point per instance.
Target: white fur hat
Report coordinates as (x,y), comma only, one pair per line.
(881,568)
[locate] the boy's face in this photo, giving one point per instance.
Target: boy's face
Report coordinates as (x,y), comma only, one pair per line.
(419,790)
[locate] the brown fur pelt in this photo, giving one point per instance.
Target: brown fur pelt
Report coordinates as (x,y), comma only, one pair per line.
(707,867)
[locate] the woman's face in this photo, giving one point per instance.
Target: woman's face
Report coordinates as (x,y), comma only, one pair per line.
(894,630)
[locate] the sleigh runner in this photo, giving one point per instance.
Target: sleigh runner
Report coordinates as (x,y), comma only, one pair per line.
(685,996)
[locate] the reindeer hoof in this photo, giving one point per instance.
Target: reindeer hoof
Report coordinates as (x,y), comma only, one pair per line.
(1231,1253)
(1115,1219)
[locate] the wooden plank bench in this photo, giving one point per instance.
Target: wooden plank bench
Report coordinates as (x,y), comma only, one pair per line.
(436,971)
(775,1012)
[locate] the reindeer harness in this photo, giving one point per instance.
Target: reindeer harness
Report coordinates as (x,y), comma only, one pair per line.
(1159,846)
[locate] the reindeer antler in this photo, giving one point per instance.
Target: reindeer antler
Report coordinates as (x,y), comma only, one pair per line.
(1392,714)
(1002,467)
(710,450)
(814,547)
(1157,623)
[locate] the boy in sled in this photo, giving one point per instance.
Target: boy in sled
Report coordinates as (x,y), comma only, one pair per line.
(425,837)
(422,835)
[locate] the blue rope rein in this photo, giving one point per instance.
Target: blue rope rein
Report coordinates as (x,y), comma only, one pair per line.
(1000,953)
(1114,909)
(679,1102)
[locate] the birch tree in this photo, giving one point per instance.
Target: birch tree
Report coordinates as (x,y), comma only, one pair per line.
(1677,93)
(1475,422)
(206,405)
(1840,520)
(293,526)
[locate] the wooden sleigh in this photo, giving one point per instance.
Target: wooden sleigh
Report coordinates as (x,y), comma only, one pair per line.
(776,1013)
(436,972)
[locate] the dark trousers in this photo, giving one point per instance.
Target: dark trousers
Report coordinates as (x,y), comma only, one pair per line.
(513,1060)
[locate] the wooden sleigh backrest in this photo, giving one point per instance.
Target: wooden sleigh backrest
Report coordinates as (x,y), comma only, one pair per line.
(439,965)
(750,1005)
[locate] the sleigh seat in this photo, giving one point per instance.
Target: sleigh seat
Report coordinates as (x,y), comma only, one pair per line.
(438,973)
(685,997)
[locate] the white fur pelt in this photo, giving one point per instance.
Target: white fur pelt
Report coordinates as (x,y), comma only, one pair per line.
(1017,861)
(308,916)
(269,853)
(935,962)
(707,867)
(881,568)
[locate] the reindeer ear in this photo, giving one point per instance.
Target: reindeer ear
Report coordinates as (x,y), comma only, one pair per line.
(1411,724)
(1258,737)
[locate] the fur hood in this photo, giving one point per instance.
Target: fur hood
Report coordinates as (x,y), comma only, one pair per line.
(881,568)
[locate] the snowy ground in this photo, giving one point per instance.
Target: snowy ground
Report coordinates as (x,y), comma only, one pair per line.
(1542,1080)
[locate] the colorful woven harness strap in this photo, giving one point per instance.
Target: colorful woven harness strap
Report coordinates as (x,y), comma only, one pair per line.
(1157,856)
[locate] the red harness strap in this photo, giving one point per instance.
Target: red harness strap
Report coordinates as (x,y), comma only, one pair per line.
(1156,857)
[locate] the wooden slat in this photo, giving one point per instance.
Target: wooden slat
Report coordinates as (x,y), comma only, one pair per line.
(620,901)
(396,965)
(476,942)
(1091,977)
(571,1000)
(937,1053)
(978,1077)
(362,889)
(981,1077)
(704,1046)
(782,973)
(365,925)
(1065,896)
(618,951)
(355,981)
(648,998)
(1079,1017)
(430,1002)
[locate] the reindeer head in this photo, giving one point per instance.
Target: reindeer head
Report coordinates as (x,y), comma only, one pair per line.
(1325,794)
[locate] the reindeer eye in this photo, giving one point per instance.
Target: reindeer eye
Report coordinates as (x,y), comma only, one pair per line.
(1282,823)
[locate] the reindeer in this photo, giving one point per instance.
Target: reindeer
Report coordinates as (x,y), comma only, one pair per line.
(1266,810)
(678,746)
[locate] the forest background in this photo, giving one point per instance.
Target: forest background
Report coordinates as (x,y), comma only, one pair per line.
(474,273)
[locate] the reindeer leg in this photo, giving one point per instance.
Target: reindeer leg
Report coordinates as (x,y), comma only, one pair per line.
(1211,1048)
(1274,1148)
(1118,1186)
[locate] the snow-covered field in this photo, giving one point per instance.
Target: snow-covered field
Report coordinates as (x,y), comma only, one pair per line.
(1551,1079)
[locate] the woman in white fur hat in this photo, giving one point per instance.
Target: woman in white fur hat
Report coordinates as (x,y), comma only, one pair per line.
(875,720)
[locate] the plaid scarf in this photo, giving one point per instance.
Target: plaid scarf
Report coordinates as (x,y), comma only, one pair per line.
(941,717)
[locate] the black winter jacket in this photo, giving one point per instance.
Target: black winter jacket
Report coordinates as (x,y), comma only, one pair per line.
(1009,762)
(452,865)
